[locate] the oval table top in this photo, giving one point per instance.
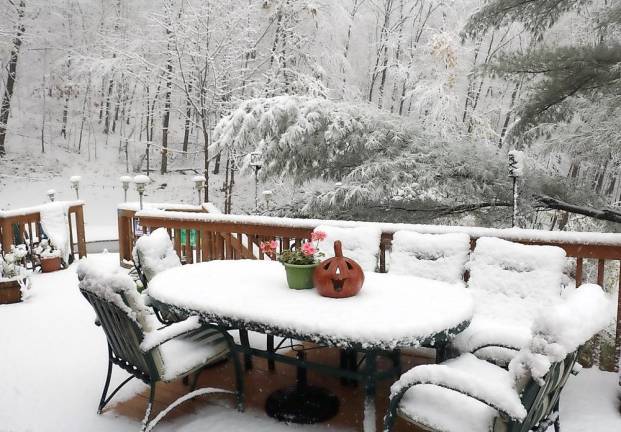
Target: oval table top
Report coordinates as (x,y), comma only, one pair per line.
(390,311)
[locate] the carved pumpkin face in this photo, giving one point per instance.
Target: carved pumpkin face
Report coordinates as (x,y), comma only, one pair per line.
(338,277)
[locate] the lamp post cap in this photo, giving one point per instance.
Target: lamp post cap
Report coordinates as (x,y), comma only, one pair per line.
(75,179)
(125,179)
(51,191)
(141,179)
(199,178)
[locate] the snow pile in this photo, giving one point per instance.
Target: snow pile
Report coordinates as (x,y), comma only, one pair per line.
(55,224)
(360,244)
(564,327)
(113,284)
(511,284)
(433,256)
(389,311)
(184,354)
(155,338)
(154,253)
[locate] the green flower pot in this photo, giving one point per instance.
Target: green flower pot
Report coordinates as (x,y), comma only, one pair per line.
(300,276)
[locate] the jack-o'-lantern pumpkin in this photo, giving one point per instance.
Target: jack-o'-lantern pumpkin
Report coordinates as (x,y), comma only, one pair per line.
(338,277)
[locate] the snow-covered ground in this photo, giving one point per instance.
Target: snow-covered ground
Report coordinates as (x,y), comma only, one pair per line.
(53,359)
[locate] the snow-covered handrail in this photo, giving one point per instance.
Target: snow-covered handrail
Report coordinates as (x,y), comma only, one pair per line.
(514,234)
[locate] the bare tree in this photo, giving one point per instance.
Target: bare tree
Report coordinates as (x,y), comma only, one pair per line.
(5,108)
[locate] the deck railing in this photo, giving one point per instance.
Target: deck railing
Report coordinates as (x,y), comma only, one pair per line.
(23,226)
(597,256)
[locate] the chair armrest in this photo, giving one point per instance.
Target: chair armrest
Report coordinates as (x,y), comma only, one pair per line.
(495,345)
(158,337)
(506,402)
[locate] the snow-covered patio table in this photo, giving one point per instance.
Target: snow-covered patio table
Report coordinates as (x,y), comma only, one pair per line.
(390,312)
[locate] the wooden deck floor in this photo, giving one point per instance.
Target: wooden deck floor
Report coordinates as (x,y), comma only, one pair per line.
(260,382)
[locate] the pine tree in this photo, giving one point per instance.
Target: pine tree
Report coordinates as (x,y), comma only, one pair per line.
(558,76)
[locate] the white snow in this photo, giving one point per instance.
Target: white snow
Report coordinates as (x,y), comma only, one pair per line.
(55,223)
(390,310)
(142,179)
(434,256)
(563,327)
(114,285)
(155,338)
(359,243)
(155,253)
(511,283)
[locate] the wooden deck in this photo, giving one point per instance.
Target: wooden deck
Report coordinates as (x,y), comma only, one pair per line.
(260,382)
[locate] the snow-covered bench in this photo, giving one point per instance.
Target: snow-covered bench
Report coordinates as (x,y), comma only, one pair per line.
(467,394)
(136,345)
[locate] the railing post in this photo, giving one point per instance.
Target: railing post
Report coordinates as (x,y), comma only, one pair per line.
(79,222)
(7,235)
(124,241)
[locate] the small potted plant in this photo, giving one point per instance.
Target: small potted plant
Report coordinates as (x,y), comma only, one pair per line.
(49,257)
(299,263)
(14,277)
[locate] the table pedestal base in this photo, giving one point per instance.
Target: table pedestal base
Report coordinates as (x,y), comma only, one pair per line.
(302,404)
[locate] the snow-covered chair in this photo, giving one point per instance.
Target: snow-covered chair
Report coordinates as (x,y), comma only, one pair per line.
(137,346)
(362,244)
(440,257)
(467,394)
(511,283)
(152,254)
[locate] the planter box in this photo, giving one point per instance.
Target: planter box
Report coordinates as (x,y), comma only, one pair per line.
(50,264)
(10,291)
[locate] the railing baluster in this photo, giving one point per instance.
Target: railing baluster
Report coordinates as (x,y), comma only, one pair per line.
(177,242)
(617,356)
(189,253)
(578,272)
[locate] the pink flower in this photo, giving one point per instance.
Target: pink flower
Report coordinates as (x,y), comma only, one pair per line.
(308,249)
(268,247)
(318,235)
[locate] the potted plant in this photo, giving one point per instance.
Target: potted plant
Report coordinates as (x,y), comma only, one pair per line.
(299,263)
(49,257)
(14,277)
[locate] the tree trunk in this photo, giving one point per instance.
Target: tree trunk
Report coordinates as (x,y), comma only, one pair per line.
(505,125)
(169,68)
(382,48)
(188,114)
(5,108)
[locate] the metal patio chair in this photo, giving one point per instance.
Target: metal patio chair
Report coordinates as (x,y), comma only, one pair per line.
(470,394)
(159,355)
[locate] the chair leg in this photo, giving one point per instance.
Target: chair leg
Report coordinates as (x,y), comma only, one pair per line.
(271,364)
(102,401)
(194,380)
(147,414)
(557,421)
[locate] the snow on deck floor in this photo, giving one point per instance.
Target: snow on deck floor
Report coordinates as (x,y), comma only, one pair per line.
(53,363)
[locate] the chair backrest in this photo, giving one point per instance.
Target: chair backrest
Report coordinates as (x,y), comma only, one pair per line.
(362,244)
(433,256)
(123,318)
(154,253)
(518,279)
(559,333)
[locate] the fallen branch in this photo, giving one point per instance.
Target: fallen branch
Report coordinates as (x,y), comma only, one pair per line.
(556,204)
